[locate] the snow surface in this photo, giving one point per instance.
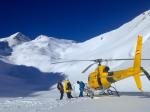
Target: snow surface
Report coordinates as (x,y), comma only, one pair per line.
(28,78)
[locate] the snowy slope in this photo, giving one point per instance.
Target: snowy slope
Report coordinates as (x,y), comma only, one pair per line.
(119,43)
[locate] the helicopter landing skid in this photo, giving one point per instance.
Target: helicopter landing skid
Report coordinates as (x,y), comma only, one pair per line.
(112,92)
(90,92)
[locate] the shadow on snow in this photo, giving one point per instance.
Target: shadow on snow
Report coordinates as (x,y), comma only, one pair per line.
(22,81)
(139,94)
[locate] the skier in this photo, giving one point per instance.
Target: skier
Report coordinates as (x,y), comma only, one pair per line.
(81,88)
(61,89)
(68,88)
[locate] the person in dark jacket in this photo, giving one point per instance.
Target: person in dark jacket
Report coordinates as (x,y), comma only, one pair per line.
(81,88)
(61,89)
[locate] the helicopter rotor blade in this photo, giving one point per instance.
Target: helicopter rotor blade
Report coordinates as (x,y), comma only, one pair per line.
(69,61)
(88,67)
(116,59)
(96,60)
(146,73)
(145,59)
(121,59)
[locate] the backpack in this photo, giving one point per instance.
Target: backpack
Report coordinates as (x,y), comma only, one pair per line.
(69,87)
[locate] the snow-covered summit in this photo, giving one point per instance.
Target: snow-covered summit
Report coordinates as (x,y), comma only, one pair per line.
(19,35)
(42,38)
(16,39)
(45,38)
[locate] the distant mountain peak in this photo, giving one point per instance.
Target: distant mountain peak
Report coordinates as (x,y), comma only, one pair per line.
(16,39)
(19,36)
(42,38)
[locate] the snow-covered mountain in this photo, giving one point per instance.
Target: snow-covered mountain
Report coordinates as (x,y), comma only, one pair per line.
(15,39)
(40,52)
(7,44)
(119,43)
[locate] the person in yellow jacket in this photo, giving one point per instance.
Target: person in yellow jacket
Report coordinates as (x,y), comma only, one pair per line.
(68,88)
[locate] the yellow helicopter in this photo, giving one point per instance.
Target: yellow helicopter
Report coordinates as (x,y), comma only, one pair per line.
(102,79)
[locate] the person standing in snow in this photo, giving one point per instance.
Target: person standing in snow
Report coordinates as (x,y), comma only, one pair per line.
(61,89)
(81,88)
(68,88)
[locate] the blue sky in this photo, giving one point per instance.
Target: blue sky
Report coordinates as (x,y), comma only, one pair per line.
(77,20)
